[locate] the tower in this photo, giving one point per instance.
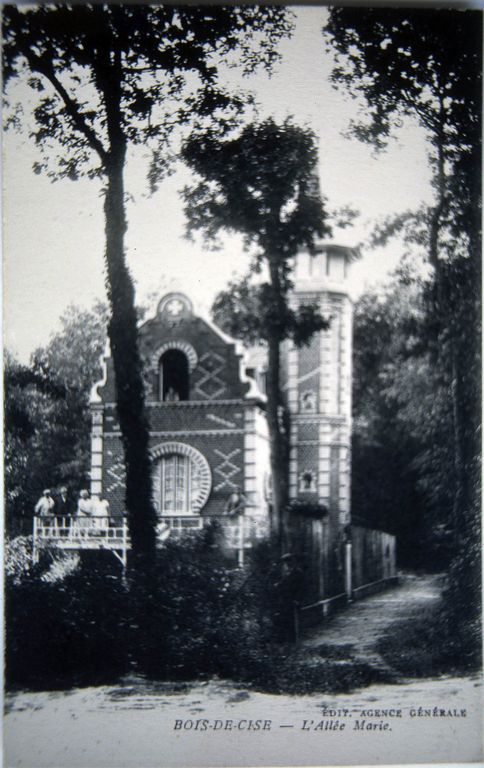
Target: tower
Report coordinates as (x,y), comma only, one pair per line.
(317,385)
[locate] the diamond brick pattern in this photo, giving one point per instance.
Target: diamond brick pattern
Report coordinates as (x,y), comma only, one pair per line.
(118,473)
(227,469)
(210,386)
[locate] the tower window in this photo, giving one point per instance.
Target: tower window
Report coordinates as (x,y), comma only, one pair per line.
(307,481)
(308,402)
(174,376)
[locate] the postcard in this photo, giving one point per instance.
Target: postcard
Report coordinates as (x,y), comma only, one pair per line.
(242,306)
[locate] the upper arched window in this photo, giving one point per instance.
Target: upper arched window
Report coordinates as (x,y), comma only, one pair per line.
(174,376)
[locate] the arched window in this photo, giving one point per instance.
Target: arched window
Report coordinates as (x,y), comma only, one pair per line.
(174,376)
(175,484)
(181,479)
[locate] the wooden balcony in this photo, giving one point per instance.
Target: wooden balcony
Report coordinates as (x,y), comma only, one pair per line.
(72,533)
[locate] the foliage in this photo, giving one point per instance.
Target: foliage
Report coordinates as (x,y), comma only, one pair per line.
(18,558)
(63,564)
(109,77)
(427,65)
(206,619)
(198,619)
(262,183)
(79,630)
(47,417)
(52,565)
(430,643)
(403,478)
(73,354)
(402,73)
(308,508)
(201,623)
(160,63)
(245,311)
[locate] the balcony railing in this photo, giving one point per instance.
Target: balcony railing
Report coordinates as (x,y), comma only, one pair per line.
(70,533)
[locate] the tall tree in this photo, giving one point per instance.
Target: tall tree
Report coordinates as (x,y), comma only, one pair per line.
(427,65)
(73,353)
(111,76)
(263,184)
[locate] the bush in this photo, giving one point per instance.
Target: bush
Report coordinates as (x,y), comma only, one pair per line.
(18,558)
(53,565)
(68,632)
(190,615)
(207,616)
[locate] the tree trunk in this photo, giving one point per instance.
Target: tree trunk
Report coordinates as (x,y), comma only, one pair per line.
(122,331)
(122,327)
(277,447)
(275,405)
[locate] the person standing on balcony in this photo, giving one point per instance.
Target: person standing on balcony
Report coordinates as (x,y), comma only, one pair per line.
(63,510)
(84,510)
(45,506)
(62,504)
(100,512)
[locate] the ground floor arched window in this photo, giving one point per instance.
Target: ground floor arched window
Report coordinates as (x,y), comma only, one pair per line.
(181,480)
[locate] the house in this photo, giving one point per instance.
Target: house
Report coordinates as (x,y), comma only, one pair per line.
(209,440)
(208,433)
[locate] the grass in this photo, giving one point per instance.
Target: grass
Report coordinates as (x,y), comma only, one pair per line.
(430,642)
(298,671)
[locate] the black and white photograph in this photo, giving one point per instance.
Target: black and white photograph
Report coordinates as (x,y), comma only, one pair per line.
(242,384)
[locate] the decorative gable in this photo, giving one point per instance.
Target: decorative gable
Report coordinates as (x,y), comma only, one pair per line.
(177,343)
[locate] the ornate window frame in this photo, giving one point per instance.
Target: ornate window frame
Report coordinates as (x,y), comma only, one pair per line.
(201,462)
(183,346)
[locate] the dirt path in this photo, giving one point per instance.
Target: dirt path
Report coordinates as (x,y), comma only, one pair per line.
(356,629)
(137,724)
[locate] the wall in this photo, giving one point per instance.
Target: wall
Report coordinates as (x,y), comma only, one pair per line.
(373,556)
(323,559)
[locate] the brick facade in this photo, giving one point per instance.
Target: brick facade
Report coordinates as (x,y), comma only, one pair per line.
(218,426)
(204,408)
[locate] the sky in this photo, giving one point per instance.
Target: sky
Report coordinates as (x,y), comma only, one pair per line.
(53,238)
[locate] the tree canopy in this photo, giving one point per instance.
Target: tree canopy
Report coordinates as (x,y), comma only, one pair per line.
(427,64)
(263,184)
(111,73)
(402,457)
(109,77)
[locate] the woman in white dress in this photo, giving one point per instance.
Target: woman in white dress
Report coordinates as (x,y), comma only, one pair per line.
(84,511)
(101,513)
